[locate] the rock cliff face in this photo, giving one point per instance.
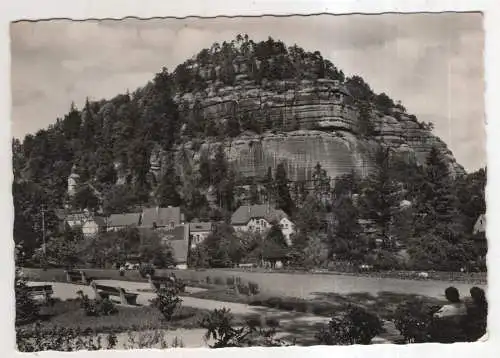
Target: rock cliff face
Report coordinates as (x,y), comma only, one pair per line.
(319,123)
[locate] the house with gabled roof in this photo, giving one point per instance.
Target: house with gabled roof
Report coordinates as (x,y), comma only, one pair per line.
(480,225)
(118,222)
(259,218)
(162,217)
(479,236)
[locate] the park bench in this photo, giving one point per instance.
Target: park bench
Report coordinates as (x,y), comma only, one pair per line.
(77,277)
(44,291)
(102,292)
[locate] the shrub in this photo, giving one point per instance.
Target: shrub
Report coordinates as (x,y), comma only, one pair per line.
(146,269)
(61,339)
(322,308)
(181,286)
(273,302)
(106,307)
(167,302)
(218,281)
(413,320)
(26,308)
(301,306)
(219,325)
(356,326)
(243,289)
(230,281)
(253,288)
(102,307)
(287,305)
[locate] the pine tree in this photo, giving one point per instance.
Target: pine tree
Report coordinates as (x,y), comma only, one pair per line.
(382,196)
(438,204)
(167,192)
(283,199)
(269,185)
(366,127)
(321,182)
(254,193)
(219,166)
(345,240)
(204,169)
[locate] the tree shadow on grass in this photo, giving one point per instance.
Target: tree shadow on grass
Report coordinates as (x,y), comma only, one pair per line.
(298,327)
(383,304)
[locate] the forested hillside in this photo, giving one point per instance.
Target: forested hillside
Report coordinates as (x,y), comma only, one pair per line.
(113,146)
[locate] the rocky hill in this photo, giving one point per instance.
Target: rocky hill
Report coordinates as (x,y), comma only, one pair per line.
(301,119)
(265,103)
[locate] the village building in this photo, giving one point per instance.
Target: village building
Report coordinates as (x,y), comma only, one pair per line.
(169,217)
(178,239)
(479,235)
(118,222)
(198,232)
(94,226)
(76,219)
(259,218)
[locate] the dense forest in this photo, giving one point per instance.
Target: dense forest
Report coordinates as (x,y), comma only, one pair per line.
(119,134)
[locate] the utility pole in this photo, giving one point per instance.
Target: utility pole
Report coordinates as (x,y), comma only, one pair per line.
(42,210)
(43,229)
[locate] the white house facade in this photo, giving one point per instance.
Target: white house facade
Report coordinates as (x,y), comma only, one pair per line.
(199,231)
(93,227)
(259,218)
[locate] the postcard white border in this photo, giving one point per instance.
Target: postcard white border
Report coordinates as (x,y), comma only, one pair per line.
(12,10)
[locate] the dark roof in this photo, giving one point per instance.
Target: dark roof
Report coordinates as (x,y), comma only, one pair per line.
(122,220)
(246,212)
(200,227)
(177,238)
(177,233)
(161,216)
(99,220)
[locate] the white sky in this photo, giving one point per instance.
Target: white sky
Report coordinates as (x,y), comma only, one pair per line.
(433,63)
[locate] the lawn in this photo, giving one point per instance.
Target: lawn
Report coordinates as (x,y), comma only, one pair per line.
(68,314)
(324,304)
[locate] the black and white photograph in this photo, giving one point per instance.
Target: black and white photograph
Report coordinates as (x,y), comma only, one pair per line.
(249,181)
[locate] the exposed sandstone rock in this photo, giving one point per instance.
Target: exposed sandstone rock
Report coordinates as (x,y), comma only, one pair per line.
(329,129)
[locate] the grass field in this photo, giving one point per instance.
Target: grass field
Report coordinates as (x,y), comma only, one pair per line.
(68,314)
(383,304)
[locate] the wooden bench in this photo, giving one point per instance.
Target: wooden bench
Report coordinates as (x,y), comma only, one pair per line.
(77,277)
(102,292)
(45,291)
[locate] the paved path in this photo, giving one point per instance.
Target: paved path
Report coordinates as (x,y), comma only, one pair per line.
(291,323)
(306,285)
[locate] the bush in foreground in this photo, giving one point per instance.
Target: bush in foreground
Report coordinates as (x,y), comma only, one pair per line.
(167,301)
(356,326)
(413,319)
(219,325)
(102,307)
(61,339)
(26,308)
